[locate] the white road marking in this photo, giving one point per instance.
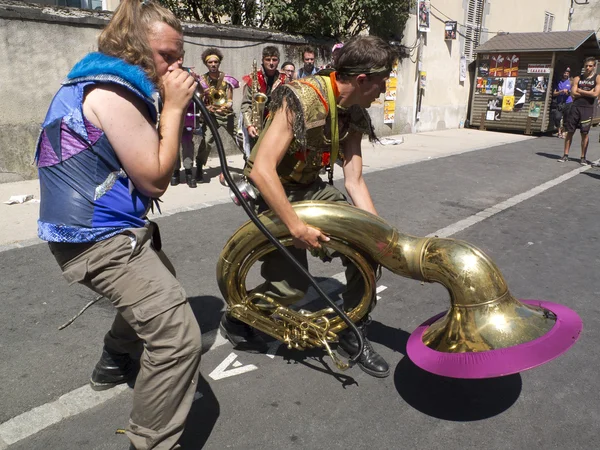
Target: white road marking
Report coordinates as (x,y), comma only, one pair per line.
(70,404)
(221,370)
(84,398)
(493,210)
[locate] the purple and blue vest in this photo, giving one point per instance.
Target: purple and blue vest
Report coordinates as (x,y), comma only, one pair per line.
(86,195)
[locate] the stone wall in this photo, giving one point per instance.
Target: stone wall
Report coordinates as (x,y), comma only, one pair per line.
(39,44)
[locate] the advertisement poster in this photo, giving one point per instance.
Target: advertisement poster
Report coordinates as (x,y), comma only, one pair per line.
(535,108)
(450,30)
(509,86)
(508,103)
(499,86)
(511,65)
(389,105)
(521,88)
(389,109)
(495,86)
(390,88)
(484,82)
(494,109)
(539,85)
(484,66)
(462,71)
(497,65)
(423,16)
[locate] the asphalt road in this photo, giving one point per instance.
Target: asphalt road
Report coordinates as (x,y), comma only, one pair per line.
(547,247)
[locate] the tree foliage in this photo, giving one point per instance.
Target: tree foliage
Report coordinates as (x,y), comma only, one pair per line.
(338,19)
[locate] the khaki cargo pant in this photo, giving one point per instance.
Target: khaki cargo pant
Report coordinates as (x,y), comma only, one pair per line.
(153,322)
(283,282)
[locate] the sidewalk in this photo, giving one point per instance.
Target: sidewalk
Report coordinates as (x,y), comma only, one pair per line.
(18,222)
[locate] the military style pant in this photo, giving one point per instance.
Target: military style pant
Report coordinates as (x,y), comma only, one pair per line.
(283,282)
(153,322)
(208,140)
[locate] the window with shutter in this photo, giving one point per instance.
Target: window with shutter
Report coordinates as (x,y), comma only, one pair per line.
(548,21)
(473,26)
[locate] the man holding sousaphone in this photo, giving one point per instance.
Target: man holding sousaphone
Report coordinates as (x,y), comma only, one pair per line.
(312,123)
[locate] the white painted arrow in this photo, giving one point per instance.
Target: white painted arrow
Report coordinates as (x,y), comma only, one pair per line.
(221,370)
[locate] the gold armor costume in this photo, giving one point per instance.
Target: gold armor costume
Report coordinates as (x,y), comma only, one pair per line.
(299,172)
(310,149)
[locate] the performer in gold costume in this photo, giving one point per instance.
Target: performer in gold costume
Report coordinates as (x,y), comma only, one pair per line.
(313,122)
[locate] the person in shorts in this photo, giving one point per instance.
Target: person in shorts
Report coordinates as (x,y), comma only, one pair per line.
(585,90)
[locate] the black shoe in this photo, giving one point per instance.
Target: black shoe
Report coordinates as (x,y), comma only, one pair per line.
(113,369)
(242,336)
(175,178)
(199,174)
(370,361)
(565,158)
(189,179)
(584,162)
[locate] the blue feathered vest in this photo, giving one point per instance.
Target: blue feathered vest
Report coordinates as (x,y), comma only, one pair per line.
(86,196)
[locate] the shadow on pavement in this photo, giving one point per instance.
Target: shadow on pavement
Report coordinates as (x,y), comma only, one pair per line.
(208,311)
(455,399)
(593,174)
(549,155)
(202,417)
(317,359)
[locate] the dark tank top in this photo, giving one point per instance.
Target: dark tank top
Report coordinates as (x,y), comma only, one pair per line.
(586,84)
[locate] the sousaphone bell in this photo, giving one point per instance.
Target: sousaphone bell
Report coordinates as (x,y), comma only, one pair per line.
(486,332)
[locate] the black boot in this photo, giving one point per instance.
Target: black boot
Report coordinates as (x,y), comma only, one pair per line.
(242,336)
(189,178)
(370,361)
(175,178)
(199,174)
(113,369)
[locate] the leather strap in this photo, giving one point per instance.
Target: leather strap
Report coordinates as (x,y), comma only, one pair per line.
(335,132)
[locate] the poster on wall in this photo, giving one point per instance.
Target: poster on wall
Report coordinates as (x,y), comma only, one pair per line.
(508,103)
(389,110)
(539,85)
(462,71)
(390,88)
(511,65)
(497,65)
(484,66)
(509,86)
(535,108)
(389,105)
(450,30)
(521,88)
(423,16)
(494,109)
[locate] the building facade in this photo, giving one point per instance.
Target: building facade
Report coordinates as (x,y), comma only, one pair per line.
(434,83)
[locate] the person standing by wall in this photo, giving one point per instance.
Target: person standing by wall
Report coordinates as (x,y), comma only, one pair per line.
(562,101)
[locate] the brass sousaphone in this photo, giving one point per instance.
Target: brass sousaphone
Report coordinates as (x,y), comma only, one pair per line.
(485,333)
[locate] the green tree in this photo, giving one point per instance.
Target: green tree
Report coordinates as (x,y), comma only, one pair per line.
(337,19)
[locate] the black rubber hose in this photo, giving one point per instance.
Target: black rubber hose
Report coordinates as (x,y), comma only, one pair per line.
(212,125)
